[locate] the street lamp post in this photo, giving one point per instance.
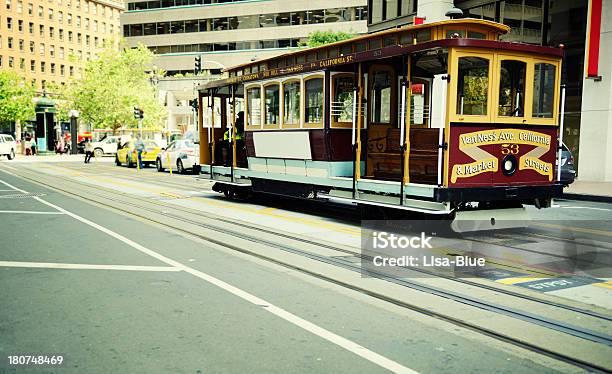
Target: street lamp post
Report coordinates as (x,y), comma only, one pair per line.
(74,114)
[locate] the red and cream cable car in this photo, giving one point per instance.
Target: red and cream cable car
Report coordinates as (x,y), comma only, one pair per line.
(440,118)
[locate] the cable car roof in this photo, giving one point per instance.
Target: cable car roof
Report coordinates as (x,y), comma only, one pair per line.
(269,67)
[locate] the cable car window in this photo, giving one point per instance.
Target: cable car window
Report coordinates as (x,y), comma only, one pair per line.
(272,104)
(476,35)
(380,96)
(454,34)
(473,86)
(389,40)
(314,100)
(543,90)
(423,35)
(360,47)
(512,88)
(375,44)
(254,106)
(342,105)
(346,49)
(291,103)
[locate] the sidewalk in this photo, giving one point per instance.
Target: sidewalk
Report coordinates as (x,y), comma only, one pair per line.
(590,191)
(54,158)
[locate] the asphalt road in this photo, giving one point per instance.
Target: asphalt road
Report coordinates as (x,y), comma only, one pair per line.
(114,293)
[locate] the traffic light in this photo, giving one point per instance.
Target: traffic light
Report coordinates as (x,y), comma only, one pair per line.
(194,104)
(198,65)
(138,113)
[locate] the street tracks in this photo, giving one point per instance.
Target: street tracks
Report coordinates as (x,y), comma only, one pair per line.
(574,334)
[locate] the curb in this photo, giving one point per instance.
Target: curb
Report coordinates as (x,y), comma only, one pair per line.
(586,197)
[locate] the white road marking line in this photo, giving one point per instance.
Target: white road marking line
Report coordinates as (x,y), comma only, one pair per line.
(331,337)
(54,265)
(28,212)
(11,186)
(584,207)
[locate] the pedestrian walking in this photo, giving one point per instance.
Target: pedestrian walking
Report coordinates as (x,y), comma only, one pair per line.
(33,145)
(140,146)
(88,151)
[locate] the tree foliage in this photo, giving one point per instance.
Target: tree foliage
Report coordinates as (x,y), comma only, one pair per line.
(319,38)
(15,97)
(111,86)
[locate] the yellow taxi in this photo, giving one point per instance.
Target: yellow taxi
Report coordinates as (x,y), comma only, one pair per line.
(127,154)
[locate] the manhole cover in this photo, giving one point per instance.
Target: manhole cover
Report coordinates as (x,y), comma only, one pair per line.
(21,195)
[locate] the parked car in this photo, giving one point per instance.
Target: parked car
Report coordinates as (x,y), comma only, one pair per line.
(108,145)
(181,155)
(127,154)
(568,173)
(8,145)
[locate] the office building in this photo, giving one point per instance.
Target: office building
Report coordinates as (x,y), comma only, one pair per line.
(38,37)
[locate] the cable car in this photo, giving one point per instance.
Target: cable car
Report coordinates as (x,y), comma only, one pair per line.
(441,118)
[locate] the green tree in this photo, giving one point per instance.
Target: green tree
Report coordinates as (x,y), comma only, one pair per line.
(16,95)
(111,85)
(319,38)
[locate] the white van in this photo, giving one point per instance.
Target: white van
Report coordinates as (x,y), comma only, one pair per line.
(8,145)
(108,145)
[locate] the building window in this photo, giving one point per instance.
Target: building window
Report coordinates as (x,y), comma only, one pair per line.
(20,25)
(291,103)
(21,45)
(313,101)
(30,9)
(19,6)
(10,43)
(70,36)
(9,23)
(79,38)
(42,66)
(87,40)
(11,62)
(78,21)
(41,31)
(543,90)
(50,13)
(60,17)
(31,28)
(72,71)
(61,34)
(52,70)
(8,4)
(62,70)
(51,32)
(41,11)
(473,86)
(69,18)
(41,49)
(0,61)
(512,88)
(61,52)
(22,63)
(32,66)
(52,50)
(32,47)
